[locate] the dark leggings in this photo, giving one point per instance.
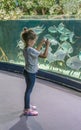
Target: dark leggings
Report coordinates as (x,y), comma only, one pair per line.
(30,80)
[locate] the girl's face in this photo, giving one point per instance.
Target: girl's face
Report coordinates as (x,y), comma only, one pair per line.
(32,42)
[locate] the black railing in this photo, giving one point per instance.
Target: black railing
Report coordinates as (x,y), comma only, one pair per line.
(53,77)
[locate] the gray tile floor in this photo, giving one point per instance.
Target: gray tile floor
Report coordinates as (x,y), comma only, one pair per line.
(59,107)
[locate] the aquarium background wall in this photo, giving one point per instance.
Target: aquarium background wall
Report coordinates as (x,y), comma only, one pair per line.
(64,57)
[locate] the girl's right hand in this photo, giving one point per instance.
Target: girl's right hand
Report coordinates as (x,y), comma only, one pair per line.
(47,42)
(43,41)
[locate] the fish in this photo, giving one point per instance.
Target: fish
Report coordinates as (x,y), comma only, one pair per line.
(52,29)
(20,44)
(63,37)
(20,55)
(59,55)
(74,62)
(79,55)
(71,35)
(67,34)
(50,57)
(50,49)
(67,48)
(38,29)
(60,27)
(66,31)
(52,40)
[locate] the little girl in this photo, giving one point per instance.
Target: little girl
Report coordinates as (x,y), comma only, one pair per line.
(31,65)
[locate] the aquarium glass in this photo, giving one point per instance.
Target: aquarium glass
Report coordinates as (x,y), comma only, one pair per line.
(64,56)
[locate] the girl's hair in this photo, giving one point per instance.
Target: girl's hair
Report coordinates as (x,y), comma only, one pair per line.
(27,34)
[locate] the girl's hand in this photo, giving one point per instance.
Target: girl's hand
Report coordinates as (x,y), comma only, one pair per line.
(43,41)
(47,42)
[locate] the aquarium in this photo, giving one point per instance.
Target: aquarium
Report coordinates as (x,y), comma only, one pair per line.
(64,57)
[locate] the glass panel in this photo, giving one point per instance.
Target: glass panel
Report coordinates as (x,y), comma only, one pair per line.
(65,49)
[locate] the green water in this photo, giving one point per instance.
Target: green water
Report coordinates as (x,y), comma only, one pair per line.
(64,55)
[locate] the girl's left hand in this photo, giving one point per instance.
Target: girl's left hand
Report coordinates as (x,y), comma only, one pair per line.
(43,41)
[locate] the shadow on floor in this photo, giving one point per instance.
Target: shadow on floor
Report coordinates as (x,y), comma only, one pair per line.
(21,124)
(26,123)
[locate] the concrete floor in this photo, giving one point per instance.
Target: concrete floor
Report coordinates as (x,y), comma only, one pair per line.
(59,107)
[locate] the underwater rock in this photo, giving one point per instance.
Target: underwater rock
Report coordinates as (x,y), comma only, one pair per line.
(74,63)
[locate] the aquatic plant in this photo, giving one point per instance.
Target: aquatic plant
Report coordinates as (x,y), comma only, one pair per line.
(59,65)
(3,56)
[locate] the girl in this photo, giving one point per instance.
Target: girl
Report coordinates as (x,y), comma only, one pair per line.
(31,60)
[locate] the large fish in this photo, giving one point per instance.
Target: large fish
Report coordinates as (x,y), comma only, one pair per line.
(59,55)
(71,35)
(65,31)
(79,55)
(52,29)
(66,46)
(50,49)
(50,57)
(66,36)
(63,37)
(52,40)
(38,29)
(60,27)
(74,63)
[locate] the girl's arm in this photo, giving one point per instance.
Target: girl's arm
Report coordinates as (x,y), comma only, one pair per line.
(44,55)
(40,45)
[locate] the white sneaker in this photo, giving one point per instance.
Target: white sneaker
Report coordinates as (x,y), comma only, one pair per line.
(33,107)
(31,113)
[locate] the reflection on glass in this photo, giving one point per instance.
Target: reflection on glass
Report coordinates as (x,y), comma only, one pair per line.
(65,49)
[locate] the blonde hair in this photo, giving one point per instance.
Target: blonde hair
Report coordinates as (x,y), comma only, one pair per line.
(27,34)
